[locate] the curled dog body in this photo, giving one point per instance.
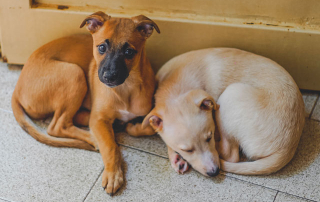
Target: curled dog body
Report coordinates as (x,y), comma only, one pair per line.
(90,80)
(259,108)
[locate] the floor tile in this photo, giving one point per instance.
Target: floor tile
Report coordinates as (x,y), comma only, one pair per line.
(6,91)
(8,79)
(36,172)
(309,101)
(151,178)
(282,197)
(301,177)
(152,144)
(31,171)
(4,200)
(303,168)
(316,112)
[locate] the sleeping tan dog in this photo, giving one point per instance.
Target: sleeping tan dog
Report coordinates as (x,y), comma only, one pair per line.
(261,111)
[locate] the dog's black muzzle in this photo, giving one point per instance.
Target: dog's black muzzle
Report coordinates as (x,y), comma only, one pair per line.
(113,72)
(113,78)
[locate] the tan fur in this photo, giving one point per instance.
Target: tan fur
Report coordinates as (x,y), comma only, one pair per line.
(261,110)
(62,76)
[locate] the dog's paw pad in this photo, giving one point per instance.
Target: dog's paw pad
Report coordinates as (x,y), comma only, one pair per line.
(179,164)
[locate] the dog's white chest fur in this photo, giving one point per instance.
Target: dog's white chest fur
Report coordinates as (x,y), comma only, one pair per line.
(126,116)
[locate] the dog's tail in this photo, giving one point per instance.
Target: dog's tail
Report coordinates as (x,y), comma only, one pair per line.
(263,166)
(27,124)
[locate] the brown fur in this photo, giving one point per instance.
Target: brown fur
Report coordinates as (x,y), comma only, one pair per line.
(62,76)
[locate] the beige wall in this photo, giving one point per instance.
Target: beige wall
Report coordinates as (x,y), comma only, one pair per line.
(304,14)
(286,31)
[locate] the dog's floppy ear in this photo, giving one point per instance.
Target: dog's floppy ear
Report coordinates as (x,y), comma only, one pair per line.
(203,100)
(145,25)
(208,103)
(154,119)
(95,21)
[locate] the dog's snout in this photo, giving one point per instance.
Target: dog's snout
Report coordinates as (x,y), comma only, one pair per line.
(110,75)
(213,172)
(113,72)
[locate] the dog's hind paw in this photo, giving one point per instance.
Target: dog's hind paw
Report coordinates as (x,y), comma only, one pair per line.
(179,164)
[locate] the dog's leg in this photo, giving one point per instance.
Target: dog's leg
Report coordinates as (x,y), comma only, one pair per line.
(136,130)
(62,126)
(112,177)
(177,162)
(82,118)
(228,150)
(69,96)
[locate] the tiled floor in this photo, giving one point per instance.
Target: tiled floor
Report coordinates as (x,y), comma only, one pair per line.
(31,171)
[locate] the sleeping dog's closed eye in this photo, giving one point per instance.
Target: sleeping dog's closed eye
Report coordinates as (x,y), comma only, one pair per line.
(210,137)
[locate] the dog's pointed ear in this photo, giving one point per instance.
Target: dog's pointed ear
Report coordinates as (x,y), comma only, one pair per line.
(145,26)
(154,119)
(203,100)
(95,21)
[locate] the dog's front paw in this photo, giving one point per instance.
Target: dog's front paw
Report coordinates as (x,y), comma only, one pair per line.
(112,180)
(178,163)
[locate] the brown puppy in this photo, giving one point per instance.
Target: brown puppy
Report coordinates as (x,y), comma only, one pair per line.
(109,76)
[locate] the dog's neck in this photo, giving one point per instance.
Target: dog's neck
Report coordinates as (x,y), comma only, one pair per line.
(134,94)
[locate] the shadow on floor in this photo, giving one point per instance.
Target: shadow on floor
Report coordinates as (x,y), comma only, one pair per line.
(307,152)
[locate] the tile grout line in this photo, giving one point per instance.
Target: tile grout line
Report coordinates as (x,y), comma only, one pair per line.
(6,199)
(220,173)
(103,168)
(223,174)
(92,186)
(134,148)
(313,107)
(275,196)
(154,154)
(298,196)
(8,111)
(268,188)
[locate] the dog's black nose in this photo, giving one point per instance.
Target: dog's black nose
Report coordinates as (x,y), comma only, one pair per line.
(213,172)
(110,75)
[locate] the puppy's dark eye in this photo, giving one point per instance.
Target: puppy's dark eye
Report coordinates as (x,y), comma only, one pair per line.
(208,139)
(129,53)
(102,48)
